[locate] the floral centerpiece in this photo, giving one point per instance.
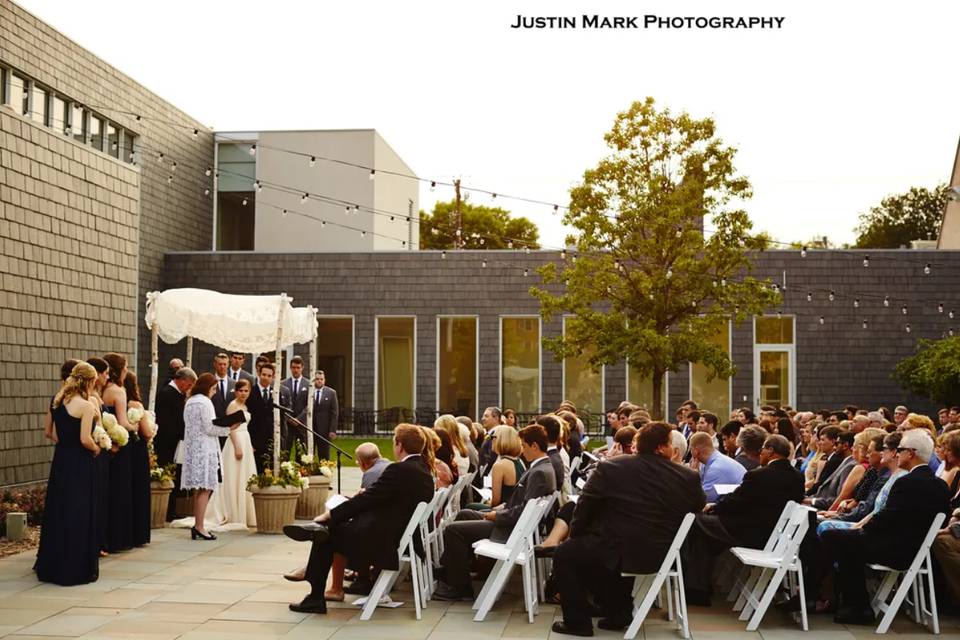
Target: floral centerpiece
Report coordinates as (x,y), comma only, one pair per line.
(118,434)
(310,465)
(319,472)
(289,476)
(275,495)
(161,484)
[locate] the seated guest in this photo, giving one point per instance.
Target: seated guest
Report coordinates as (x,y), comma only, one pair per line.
(622,525)
(370,463)
(623,441)
(743,518)
(443,476)
(367,528)
(893,535)
(458,537)
(827,438)
(750,441)
(946,546)
(830,487)
(679,446)
(445,453)
(714,467)
(728,435)
(508,469)
(554,429)
(862,475)
(917,421)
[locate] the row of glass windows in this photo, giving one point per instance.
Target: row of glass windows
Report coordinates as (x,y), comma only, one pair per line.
(458,365)
(44,106)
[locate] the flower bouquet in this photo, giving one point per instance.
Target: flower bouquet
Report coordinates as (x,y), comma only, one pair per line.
(101,438)
(275,496)
(118,434)
(144,420)
(310,465)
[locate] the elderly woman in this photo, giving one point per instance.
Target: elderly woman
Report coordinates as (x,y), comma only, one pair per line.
(201,461)
(861,478)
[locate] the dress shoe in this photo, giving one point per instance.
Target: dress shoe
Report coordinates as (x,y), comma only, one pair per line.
(614,624)
(560,627)
(295,576)
(444,591)
(359,587)
(309,532)
(543,552)
(194,534)
(309,605)
(853,615)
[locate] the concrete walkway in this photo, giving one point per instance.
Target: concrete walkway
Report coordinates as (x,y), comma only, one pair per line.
(232,588)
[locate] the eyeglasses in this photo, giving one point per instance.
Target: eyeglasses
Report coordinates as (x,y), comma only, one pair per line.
(902,449)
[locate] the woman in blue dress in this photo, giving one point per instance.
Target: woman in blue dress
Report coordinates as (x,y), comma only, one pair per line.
(140,468)
(102,485)
(69,548)
(120,495)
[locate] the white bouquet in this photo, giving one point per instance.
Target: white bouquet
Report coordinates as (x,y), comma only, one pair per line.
(306,459)
(116,432)
(101,438)
(325,471)
(135,415)
(149,421)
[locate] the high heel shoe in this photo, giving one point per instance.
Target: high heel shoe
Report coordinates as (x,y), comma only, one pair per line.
(194,534)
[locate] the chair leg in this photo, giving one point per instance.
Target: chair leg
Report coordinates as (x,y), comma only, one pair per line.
(682,604)
(497,582)
(748,584)
(669,585)
(753,596)
(653,589)
(379,587)
(415,579)
(771,589)
(486,585)
(803,596)
(895,603)
(879,601)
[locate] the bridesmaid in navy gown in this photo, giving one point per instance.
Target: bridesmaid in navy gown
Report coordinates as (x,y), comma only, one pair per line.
(69,551)
(102,486)
(140,469)
(120,495)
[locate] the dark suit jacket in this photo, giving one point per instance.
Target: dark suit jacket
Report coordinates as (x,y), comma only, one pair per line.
(557,463)
(326,413)
(221,402)
(894,534)
(752,510)
(829,467)
(631,508)
(537,481)
(261,420)
(169,423)
(298,403)
(245,375)
(377,517)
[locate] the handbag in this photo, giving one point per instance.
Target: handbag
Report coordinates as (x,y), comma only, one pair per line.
(178,455)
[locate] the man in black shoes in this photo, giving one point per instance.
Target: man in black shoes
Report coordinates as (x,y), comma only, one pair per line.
(626,518)
(458,537)
(367,528)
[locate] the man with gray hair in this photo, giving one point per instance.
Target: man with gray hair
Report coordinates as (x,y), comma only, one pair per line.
(876,420)
(170,400)
(743,518)
(894,534)
(370,462)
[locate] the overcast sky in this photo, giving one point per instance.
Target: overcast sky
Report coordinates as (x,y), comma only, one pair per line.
(845,104)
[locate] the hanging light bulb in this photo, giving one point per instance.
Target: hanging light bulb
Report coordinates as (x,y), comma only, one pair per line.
(940,308)
(169,179)
(206,192)
(886,301)
(779,315)
(304,197)
(556,208)
(809,297)
(160,157)
(323,223)
(950,315)
(831,296)
(856,303)
(907,328)
(864,323)
(373,173)
(173,167)
(283,213)
(258,186)
(363,234)
(244,202)
(526,272)
(510,245)
(196,132)
(669,273)
(803,251)
(903,309)
(433,186)
(208,171)
(723,282)
(484,264)
(822,320)
(866,261)
(926,269)
(313,161)
(253,149)
(443,254)
(679,231)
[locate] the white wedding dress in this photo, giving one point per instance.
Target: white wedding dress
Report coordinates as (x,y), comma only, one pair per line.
(231,505)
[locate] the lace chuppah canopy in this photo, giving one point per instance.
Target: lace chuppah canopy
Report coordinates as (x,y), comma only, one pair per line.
(248,324)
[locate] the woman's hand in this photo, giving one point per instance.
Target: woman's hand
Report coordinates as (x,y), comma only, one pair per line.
(238,454)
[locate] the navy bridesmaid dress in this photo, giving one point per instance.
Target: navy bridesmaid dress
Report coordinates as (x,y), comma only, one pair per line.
(140,490)
(69,550)
(120,497)
(102,495)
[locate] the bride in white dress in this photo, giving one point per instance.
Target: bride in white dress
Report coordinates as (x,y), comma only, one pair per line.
(231,506)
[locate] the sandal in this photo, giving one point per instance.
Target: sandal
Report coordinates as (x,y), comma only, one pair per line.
(331,596)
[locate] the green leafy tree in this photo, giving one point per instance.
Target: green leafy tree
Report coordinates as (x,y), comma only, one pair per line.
(902,218)
(483,228)
(645,283)
(933,371)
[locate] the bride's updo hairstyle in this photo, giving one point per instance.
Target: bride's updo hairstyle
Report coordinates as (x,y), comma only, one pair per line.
(76,384)
(241,383)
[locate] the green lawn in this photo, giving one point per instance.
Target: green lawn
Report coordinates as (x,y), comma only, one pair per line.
(350,443)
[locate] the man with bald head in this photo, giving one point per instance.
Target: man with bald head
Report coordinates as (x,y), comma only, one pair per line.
(370,462)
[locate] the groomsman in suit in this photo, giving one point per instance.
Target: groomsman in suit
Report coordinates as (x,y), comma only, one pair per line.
(326,413)
(224,394)
(299,389)
(259,404)
(236,371)
(170,400)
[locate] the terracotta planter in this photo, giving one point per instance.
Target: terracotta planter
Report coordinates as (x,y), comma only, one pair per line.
(159,500)
(275,507)
(314,498)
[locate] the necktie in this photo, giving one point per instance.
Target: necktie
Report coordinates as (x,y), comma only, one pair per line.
(318,397)
(266,395)
(295,385)
(236,376)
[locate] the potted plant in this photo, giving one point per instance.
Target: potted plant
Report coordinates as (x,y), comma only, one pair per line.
(161,484)
(275,496)
(318,473)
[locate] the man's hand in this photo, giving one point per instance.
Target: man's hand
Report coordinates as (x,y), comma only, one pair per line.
(333,435)
(707,508)
(490,515)
(323,517)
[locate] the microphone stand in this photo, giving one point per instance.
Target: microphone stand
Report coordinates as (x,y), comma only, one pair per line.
(292,419)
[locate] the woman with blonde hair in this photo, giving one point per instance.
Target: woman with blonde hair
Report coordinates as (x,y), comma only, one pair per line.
(442,475)
(449,424)
(69,550)
(917,421)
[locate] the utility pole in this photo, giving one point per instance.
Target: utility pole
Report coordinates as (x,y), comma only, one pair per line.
(458,240)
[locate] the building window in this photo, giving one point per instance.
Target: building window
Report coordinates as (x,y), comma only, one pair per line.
(128,151)
(774,361)
(58,115)
(78,124)
(38,105)
(335,357)
(113,140)
(520,364)
(640,390)
(712,395)
(17,96)
(457,366)
(396,367)
(96,133)
(583,386)
(236,201)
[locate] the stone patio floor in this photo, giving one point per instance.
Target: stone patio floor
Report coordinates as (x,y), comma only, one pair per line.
(232,588)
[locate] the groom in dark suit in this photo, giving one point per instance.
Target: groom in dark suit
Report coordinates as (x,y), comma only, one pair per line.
(261,414)
(224,393)
(367,528)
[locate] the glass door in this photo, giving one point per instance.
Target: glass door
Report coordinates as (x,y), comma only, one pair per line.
(774,380)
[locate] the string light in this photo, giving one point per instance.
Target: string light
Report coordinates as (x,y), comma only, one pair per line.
(803,251)
(196,132)
(856,303)
(253,149)
(864,323)
(886,301)
(173,167)
(283,213)
(563,254)
(433,186)
(903,309)
(556,208)
(822,320)
(160,157)
(940,308)
(258,186)
(244,203)
(907,328)
(866,261)
(679,231)
(779,313)
(373,173)
(206,191)
(208,171)
(363,234)
(313,161)
(443,254)
(526,272)
(926,269)
(484,264)
(950,315)
(323,223)
(169,179)
(809,297)
(831,296)
(950,332)
(510,245)
(304,197)
(669,273)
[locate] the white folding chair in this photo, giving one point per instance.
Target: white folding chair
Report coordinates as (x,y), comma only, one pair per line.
(544,564)
(517,550)
(428,527)
(646,587)
(407,556)
(453,504)
(911,581)
(748,577)
(774,565)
